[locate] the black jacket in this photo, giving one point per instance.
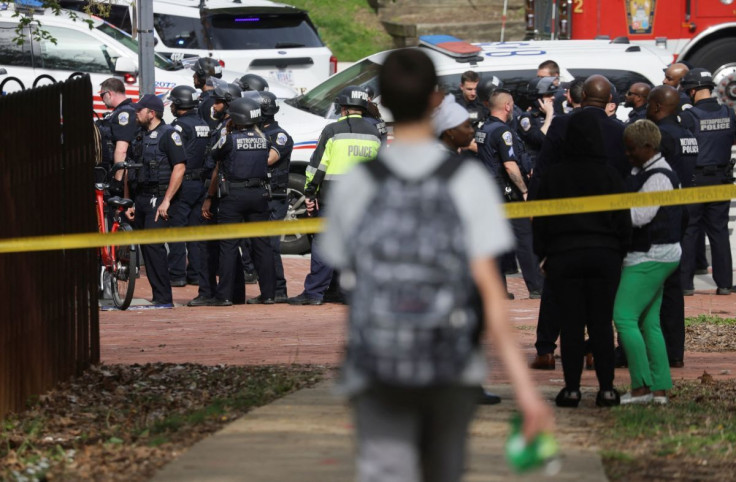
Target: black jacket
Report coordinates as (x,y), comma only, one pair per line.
(583,170)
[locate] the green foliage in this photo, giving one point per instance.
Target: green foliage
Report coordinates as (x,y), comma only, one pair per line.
(709,319)
(350,28)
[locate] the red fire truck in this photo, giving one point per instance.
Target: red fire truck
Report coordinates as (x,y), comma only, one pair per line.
(702,32)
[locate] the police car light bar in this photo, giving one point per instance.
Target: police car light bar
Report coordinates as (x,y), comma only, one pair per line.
(460,50)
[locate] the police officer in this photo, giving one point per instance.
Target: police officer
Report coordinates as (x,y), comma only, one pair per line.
(550,68)
(673,76)
(252,82)
(502,151)
(534,123)
(160,149)
(242,159)
(468,98)
(117,129)
(714,126)
(373,115)
(279,160)
(195,136)
(206,69)
(341,145)
(680,149)
(223,94)
(636,99)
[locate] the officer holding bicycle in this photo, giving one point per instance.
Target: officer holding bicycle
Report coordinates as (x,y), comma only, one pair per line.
(117,129)
(160,150)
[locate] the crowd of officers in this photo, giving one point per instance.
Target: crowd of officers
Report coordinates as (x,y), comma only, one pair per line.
(697,137)
(224,159)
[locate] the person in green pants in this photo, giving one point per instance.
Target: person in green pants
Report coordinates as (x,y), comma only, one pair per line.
(653,256)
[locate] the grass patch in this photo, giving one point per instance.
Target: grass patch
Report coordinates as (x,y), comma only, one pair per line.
(697,428)
(350,28)
(709,319)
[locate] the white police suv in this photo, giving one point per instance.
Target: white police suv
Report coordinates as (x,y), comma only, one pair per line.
(73,48)
(515,63)
(276,41)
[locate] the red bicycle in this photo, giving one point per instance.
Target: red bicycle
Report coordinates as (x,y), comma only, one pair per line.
(118,264)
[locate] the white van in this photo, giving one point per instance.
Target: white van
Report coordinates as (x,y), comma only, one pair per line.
(273,40)
(515,63)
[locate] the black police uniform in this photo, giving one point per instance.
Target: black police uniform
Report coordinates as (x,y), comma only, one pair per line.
(530,131)
(714,126)
(477,112)
(195,136)
(243,161)
(279,204)
(637,113)
(118,125)
(206,101)
(498,144)
(159,150)
(685,101)
(680,149)
(548,325)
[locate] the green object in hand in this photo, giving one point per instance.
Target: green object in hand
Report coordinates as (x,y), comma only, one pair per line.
(542,451)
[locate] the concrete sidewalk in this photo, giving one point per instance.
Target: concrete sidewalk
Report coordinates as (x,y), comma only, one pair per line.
(308,436)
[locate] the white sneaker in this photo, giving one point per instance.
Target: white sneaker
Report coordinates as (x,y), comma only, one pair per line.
(628,399)
(661,400)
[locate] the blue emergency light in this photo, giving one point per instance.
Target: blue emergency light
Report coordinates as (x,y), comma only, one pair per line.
(29,3)
(460,50)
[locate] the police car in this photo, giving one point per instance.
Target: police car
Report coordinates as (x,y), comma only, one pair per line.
(274,40)
(74,48)
(515,63)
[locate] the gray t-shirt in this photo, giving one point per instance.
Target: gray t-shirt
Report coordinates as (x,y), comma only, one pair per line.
(476,199)
(472,188)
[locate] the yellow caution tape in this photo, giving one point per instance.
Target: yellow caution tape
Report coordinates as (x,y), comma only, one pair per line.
(529,209)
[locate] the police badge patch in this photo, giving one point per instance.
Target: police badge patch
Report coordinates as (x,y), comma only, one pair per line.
(154,134)
(508,138)
(123,118)
(525,124)
(176,138)
(178,128)
(281,139)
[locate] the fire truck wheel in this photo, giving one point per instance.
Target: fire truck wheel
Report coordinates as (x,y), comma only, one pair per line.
(715,56)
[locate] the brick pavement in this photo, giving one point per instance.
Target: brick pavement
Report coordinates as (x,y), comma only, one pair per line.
(308,435)
(257,334)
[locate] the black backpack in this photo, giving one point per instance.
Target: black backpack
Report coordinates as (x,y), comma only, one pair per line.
(415,313)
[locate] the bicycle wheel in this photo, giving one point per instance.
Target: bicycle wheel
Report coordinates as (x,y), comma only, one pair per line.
(124,273)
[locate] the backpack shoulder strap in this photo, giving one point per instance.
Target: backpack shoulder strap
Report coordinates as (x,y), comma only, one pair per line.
(449,166)
(378,170)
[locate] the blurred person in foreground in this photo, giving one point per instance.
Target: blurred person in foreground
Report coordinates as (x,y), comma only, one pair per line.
(653,256)
(422,278)
(582,256)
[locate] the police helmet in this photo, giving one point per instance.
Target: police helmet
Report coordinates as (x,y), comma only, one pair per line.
(697,78)
(541,86)
(245,111)
(487,86)
(354,96)
(184,97)
(252,82)
(369,90)
(269,108)
(207,67)
(226,92)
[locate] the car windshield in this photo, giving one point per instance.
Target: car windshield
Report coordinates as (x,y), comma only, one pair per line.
(238,30)
(125,39)
(320,100)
